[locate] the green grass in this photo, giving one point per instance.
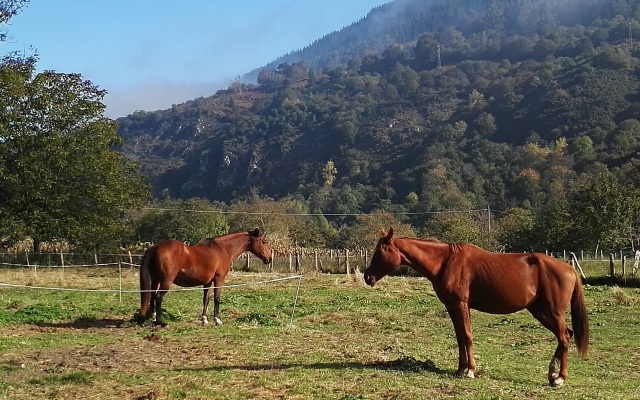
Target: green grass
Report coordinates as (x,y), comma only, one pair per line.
(347,342)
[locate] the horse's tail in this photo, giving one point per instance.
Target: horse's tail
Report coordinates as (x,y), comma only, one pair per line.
(145,282)
(579,321)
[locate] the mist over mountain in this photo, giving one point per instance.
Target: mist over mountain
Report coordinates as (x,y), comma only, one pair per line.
(403,21)
(421,105)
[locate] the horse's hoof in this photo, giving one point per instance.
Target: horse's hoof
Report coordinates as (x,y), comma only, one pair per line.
(218,321)
(465,374)
(557,382)
(205,321)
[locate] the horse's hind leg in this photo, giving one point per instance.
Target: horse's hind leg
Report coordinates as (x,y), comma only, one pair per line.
(555,322)
(151,313)
(159,297)
(206,295)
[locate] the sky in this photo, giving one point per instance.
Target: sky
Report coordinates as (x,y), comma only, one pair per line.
(151,54)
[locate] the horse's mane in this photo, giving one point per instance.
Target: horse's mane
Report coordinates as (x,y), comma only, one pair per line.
(453,246)
(206,241)
(211,240)
(457,246)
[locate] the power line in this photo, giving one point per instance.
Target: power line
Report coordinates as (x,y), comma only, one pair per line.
(322,214)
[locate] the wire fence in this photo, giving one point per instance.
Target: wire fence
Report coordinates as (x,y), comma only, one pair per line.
(297,260)
(598,264)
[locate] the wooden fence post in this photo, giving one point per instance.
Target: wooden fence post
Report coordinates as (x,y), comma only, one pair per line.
(120,279)
(366,259)
(346,261)
(315,254)
(612,267)
(273,260)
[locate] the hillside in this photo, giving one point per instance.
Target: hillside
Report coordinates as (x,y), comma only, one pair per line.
(453,104)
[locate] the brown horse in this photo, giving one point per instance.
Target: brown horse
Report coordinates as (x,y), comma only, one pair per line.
(204,263)
(465,276)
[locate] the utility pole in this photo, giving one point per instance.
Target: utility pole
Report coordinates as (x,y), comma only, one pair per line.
(439,61)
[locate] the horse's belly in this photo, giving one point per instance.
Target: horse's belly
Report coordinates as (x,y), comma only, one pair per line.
(188,280)
(497,308)
(495,301)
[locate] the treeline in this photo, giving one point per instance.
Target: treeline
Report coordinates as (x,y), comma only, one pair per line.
(600,214)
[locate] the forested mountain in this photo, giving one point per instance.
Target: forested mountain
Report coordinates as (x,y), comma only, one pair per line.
(403,21)
(421,106)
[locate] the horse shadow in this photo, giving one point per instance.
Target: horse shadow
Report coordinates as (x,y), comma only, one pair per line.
(407,364)
(90,322)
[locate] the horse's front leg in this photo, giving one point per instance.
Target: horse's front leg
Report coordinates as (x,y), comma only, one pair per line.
(217,292)
(206,295)
(460,317)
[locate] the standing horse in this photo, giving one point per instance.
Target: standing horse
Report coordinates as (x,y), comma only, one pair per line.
(465,276)
(204,263)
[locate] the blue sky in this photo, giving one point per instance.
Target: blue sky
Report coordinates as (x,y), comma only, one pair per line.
(150,54)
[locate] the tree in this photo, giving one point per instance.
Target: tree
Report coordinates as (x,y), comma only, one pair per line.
(366,230)
(60,174)
(602,211)
(8,9)
(459,227)
(515,229)
(329,172)
(485,125)
(188,221)
(286,222)
(582,149)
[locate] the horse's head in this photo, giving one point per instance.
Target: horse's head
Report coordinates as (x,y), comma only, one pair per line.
(258,246)
(386,258)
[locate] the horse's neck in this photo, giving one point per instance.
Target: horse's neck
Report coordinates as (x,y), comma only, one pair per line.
(234,244)
(423,256)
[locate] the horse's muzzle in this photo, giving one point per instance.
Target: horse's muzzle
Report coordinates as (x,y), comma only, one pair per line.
(369,279)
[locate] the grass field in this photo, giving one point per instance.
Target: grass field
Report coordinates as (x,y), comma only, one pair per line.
(347,341)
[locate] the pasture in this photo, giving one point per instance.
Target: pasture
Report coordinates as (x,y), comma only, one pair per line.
(347,341)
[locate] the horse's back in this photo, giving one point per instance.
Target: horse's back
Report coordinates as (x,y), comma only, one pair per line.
(189,266)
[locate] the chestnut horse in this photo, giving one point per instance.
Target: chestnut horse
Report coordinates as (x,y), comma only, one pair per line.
(204,263)
(465,276)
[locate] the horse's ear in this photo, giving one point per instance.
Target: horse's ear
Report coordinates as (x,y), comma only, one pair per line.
(388,235)
(255,232)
